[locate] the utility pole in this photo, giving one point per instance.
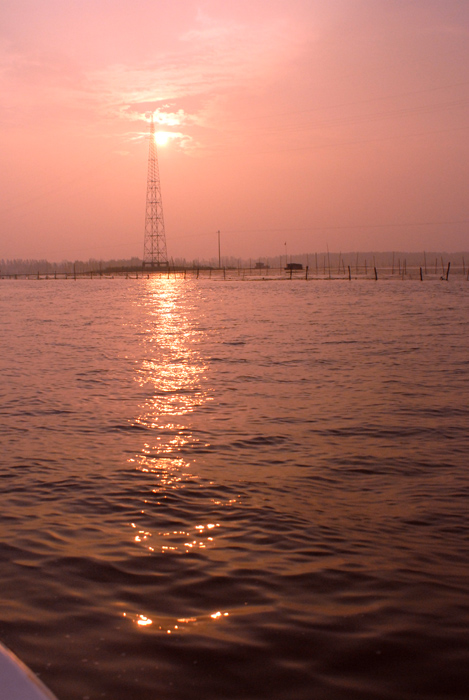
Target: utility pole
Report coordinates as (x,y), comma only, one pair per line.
(154,246)
(219,256)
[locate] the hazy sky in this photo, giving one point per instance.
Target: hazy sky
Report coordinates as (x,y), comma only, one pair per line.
(339,123)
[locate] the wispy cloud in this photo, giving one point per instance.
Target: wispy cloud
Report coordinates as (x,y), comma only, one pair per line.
(213,59)
(186,87)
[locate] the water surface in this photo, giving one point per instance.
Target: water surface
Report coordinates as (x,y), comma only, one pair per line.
(236,490)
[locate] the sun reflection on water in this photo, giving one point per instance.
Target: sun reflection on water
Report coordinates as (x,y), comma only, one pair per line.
(172,377)
(167,625)
(172,368)
(180,540)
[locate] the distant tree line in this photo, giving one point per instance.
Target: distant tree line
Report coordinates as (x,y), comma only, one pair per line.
(20,266)
(431,262)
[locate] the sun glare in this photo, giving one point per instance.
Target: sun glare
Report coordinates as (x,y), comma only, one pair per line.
(161,138)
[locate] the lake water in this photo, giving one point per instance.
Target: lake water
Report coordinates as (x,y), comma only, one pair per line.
(236,490)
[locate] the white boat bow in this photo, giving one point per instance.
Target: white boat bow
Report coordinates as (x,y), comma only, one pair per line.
(18,682)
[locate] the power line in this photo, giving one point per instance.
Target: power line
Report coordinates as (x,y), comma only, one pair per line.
(354,103)
(350,226)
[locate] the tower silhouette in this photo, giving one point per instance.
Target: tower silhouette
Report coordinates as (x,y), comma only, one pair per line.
(154,246)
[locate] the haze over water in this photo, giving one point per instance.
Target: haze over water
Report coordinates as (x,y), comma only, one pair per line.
(236,490)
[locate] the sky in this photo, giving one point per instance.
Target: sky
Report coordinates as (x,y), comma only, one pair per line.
(341,124)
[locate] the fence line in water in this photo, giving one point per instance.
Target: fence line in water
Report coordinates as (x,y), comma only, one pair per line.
(349,273)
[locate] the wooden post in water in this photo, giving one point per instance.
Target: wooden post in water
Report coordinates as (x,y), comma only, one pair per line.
(376,274)
(447,271)
(349,273)
(307,268)
(421,275)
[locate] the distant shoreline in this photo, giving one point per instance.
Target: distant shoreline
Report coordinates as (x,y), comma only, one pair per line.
(267,273)
(318,264)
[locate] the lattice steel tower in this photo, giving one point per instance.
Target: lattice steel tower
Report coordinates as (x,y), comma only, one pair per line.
(154,246)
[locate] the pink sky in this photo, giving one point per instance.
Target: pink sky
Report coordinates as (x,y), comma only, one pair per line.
(341,123)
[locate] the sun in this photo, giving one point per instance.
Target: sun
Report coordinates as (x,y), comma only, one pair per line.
(161,138)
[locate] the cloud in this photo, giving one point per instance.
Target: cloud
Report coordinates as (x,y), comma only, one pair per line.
(212,60)
(187,85)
